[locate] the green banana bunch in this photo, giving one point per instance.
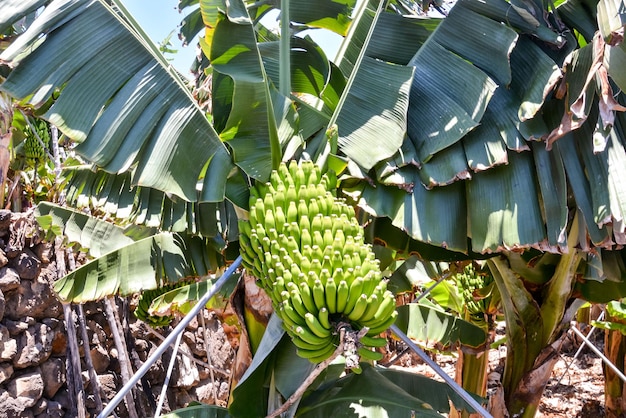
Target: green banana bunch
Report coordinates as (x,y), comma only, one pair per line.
(475,289)
(306,247)
(35,150)
(142,310)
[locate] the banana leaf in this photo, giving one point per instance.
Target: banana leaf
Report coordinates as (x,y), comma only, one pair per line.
(430,324)
(141,265)
(199,411)
(17,9)
(379,392)
(121,122)
(96,235)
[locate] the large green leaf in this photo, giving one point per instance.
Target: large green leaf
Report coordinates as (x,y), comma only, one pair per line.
(250,127)
(377,393)
(140,265)
(371,108)
(328,14)
(466,130)
(430,324)
(96,235)
(612,285)
(182,299)
(250,396)
(406,35)
(199,411)
(435,216)
(138,114)
(16,9)
(310,69)
(524,322)
(438,394)
(114,195)
(451,89)
(502,207)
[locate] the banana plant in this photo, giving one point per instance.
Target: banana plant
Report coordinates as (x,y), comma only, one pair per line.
(614,344)
(472,295)
(441,134)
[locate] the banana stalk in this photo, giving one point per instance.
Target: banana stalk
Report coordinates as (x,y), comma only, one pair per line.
(614,387)
(534,327)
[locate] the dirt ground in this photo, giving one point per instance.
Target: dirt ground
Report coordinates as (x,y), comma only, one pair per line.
(575,389)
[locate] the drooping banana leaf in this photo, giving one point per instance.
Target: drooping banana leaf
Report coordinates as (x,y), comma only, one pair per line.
(334,15)
(612,283)
(140,265)
(127,260)
(199,411)
(501,215)
(524,319)
(17,9)
(436,217)
(246,398)
(414,273)
(379,392)
(116,197)
(372,121)
(327,14)
(248,105)
(430,324)
(182,299)
(382,232)
(97,236)
(406,35)
(139,115)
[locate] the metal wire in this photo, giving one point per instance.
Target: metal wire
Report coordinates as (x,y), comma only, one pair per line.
(580,349)
(166,383)
(593,348)
(450,381)
(170,339)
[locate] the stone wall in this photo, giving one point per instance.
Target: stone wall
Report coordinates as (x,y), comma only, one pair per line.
(34,347)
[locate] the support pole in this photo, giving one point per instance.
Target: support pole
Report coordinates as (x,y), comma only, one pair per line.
(593,348)
(169,339)
(450,381)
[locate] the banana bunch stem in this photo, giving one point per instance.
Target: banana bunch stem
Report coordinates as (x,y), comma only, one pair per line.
(347,337)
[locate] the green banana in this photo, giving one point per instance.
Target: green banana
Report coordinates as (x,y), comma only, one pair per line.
(324,318)
(343,292)
(319,296)
(307,297)
(372,306)
(367,354)
(290,313)
(373,341)
(330,294)
(356,287)
(315,326)
(359,308)
(306,335)
(317,356)
(382,326)
(296,301)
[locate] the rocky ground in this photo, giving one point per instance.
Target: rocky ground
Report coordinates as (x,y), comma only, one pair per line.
(36,377)
(575,389)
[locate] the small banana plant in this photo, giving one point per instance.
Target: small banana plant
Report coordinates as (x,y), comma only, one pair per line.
(480,303)
(614,349)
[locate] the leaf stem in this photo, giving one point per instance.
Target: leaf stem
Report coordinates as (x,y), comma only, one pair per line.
(284,76)
(310,379)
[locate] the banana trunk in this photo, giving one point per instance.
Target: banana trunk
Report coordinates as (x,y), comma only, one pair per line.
(614,387)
